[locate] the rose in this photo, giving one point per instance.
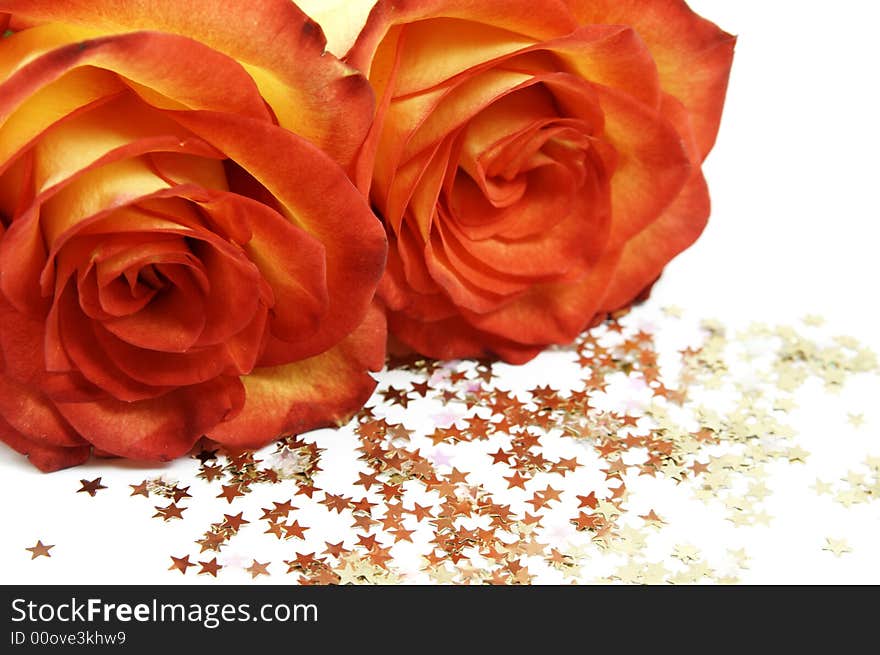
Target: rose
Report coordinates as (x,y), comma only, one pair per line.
(536,163)
(176,259)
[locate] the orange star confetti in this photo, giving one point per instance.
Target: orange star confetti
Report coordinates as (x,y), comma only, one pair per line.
(181,564)
(258,568)
(91,487)
(210,568)
(40,550)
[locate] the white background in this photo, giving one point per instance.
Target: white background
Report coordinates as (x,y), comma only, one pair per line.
(794,231)
(795,174)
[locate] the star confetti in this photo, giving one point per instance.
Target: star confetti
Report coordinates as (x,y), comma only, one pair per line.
(838,547)
(40,550)
(647,452)
(91,487)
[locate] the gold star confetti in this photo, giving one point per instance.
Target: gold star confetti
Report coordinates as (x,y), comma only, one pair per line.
(855,420)
(838,547)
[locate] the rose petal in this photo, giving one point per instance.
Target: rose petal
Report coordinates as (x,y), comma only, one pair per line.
(553,313)
(22,257)
(31,41)
(16,188)
(34,417)
(410,250)
(172,322)
(611,55)
(289,259)
(79,91)
(156,369)
(570,240)
(464,44)
(75,144)
(653,163)
(113,298)
(328,207)
(71,344)
(415,124)
(462,289)
(537,20)
(45,457)
(21,403)
(455,339)
(420,184)
(311,93)
(516,332)
(95,191)
(506,118)
(192,79)
(21,345)
(646,254)
(159,428)
(235,295)
(693,55)
(309,394)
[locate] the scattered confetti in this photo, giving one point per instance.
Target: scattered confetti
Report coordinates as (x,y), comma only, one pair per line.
(474,472)
(40,550)
(838,547)
(211,567)
(91,487)
(258,568)
(856,420)
(181,564)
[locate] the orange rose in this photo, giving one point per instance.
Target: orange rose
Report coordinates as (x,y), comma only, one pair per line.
(176,258)
(536,163)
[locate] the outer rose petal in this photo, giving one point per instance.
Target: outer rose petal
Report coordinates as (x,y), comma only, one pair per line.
(311,393)
(142,57)
(34,416)
(21,347)
(46,458)
(315,96)
(693,55)
(452,338)
(160,428)
(554,313)
(647,254)
(654,164)
(77,91)
(547,314)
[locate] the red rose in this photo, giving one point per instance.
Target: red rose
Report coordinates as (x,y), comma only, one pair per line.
(536,163)
(176,258)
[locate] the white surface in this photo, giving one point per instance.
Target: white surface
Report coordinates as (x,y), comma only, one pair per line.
(794,231)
